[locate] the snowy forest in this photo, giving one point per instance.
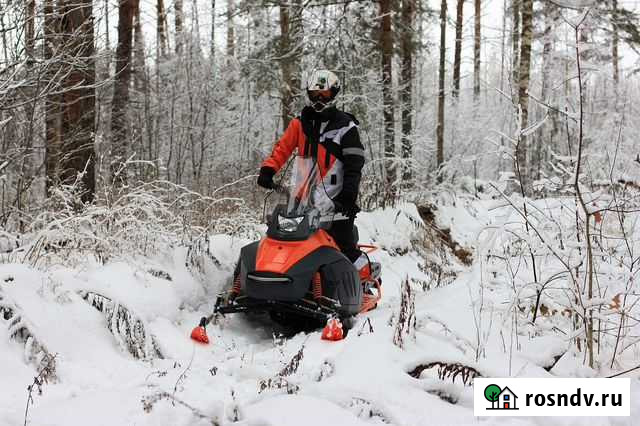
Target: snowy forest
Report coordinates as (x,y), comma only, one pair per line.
(501,189)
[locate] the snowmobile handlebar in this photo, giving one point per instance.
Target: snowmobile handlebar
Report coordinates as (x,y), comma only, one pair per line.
(333,217)
(280,189)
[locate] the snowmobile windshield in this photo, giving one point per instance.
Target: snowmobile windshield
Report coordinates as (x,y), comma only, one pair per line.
(307,190)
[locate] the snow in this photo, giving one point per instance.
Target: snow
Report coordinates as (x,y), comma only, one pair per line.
(239,377)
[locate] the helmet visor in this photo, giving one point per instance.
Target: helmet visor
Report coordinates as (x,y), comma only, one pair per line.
(321,99)
(319,95)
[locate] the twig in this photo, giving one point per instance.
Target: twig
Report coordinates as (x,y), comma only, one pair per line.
(637,367)
(37,382)
(183,375)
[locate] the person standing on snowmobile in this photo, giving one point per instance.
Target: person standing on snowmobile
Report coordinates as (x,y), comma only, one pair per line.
(330,137)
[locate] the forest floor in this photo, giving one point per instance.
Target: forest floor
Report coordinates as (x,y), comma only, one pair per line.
(250,376)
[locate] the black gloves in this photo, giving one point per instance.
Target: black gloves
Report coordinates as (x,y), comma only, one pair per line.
(265,178)
(349,210)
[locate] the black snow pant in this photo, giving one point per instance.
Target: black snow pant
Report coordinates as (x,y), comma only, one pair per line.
(343,233)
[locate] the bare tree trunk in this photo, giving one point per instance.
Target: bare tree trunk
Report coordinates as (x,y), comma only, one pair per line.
(161,29)
(458,49)
(52,103)
(194,41)
(386,44)
(213,32)
(502,46)
(515,47)
(615,43)
(78,107)
(231,38)
(408,47)
(119,122)
(441,94)
(290,56)
(547,47)
(106,25)
(179,20)
(138,51)
(477,37)
(546,137)
(523,92)
(30,30)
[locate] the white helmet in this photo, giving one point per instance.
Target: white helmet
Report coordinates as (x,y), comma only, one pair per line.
(322,88)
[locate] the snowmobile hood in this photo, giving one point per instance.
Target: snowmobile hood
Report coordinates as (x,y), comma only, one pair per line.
(279,256)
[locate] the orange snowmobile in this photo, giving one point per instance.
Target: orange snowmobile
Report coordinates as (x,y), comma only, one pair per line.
(297,274)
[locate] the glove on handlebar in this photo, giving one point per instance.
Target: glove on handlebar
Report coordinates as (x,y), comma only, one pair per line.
(265,178)
(349,210)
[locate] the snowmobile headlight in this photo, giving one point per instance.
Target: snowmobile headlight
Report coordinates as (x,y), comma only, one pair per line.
(289,224)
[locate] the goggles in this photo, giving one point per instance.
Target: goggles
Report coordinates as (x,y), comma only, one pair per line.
(319,95)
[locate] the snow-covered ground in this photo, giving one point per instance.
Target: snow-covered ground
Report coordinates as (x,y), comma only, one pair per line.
(248,375)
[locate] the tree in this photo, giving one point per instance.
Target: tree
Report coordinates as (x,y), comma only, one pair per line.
(457,49)
(515,46)
(119,122)
(441,94)
(477,37)
(78,95)
(30,29)
(161,29)
(386,47)
(213,33)
(291,38)
(406,74)
(615,42)
(179,19)
(523,91)
(491,393)
(231,43)
(52,102)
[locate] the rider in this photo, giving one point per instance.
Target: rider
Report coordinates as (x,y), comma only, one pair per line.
(331,138)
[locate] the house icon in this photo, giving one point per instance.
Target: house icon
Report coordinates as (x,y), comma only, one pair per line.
(507,399)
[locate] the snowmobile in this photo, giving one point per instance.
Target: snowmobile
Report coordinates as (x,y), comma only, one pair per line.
(297,273)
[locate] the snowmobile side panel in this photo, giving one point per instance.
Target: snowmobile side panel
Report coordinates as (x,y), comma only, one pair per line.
(294,283)
(248,256)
